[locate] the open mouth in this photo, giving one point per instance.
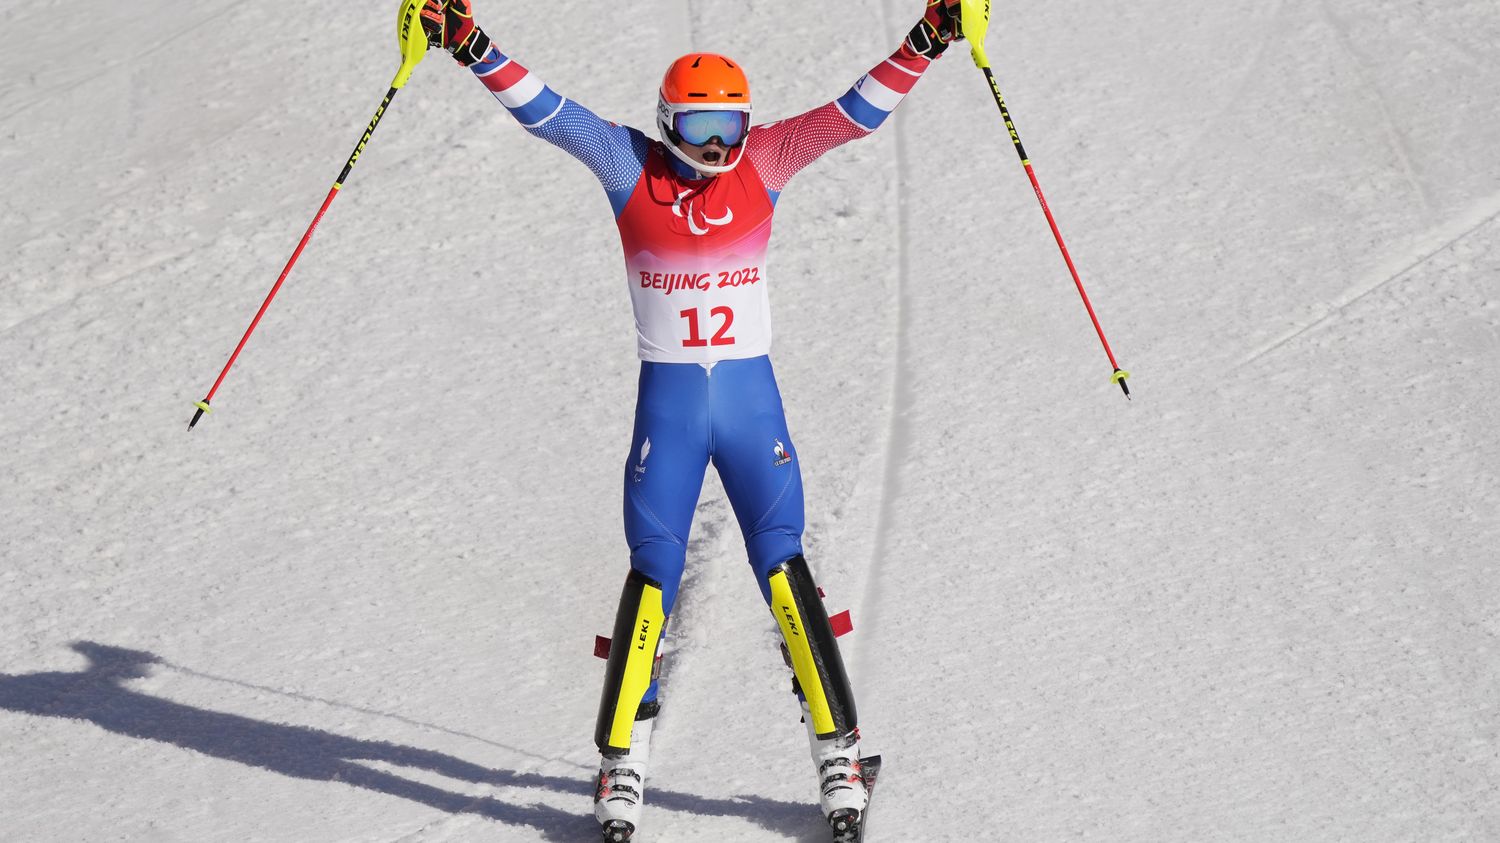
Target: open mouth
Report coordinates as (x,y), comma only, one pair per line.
(711,156)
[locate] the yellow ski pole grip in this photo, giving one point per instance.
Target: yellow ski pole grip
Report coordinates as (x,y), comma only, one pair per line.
(412,39)
(975,21)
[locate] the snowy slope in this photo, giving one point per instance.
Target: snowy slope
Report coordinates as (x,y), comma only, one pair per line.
(1258,602)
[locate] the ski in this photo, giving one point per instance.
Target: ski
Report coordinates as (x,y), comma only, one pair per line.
(852,829)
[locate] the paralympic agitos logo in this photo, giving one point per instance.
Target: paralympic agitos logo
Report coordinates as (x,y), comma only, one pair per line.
(691,216)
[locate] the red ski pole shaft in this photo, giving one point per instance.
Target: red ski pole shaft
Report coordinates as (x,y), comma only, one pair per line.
(203,406)
(1119,375)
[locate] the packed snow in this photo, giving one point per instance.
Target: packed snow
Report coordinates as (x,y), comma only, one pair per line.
(1258,602)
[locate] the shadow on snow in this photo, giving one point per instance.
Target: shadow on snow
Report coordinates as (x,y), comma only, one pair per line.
(99,695)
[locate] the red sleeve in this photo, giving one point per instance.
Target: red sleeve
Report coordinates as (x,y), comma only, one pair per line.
(779,150)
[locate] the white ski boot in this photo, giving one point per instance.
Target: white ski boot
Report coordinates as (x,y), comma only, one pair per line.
(621,786)
(841,783)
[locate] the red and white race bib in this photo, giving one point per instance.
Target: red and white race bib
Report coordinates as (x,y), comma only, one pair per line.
(695,254)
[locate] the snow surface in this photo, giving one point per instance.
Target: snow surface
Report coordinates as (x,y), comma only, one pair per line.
(1258,602)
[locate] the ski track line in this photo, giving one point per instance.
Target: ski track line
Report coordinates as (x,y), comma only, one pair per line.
(897,440)
(1394,136)
(111,66)
(301,697)
(465,815)
(438,825)
(1487,213)
(689,14)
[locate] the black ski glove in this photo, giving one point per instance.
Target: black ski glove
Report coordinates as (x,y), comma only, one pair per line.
(449,25)
(939,26)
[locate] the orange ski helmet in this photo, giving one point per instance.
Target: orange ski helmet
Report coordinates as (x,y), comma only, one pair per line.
(702,82)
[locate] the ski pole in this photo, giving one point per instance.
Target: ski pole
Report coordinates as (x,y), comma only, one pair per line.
(975,22)
(413,48)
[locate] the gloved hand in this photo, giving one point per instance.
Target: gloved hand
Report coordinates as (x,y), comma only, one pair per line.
(939,26)
(449,25)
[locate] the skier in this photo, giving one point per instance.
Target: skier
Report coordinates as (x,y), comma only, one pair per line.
(694,211)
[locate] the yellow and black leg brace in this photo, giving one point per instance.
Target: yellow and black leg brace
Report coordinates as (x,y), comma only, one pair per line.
(632,659)
(814,652)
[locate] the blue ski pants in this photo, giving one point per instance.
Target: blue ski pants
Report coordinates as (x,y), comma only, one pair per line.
(688,415)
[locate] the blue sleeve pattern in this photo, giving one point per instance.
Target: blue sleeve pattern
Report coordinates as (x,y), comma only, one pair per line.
(615,154)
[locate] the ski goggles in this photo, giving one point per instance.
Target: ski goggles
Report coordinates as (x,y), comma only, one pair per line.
(699,127)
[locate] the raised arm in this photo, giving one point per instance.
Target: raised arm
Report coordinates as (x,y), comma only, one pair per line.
(782,149)
(616,154)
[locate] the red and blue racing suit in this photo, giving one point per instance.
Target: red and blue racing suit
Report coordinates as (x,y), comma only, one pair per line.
(695,251)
